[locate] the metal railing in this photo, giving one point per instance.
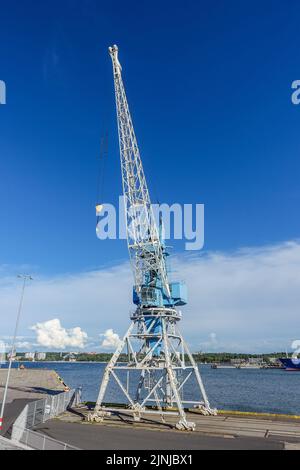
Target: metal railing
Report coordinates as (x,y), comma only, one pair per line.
(37,441)
(38,412)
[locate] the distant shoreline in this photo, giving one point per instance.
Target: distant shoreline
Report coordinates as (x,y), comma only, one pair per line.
(79,362)
(104,358)
(59,362)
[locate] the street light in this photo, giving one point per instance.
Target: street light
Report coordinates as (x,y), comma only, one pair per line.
(25,278)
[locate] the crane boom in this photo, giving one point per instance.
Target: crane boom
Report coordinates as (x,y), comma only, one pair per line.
(145,248)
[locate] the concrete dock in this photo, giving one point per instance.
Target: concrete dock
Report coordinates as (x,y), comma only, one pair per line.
(226,431)
(32,383)
(26,385)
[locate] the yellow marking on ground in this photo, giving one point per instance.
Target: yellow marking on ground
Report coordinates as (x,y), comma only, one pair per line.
(257,414)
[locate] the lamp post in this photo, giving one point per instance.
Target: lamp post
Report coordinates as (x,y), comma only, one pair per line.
(25,278)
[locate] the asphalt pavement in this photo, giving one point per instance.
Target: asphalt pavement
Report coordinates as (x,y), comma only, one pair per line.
(97,437)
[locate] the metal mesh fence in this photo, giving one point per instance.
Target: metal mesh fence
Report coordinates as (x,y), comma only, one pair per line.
(38,412)
(37,441)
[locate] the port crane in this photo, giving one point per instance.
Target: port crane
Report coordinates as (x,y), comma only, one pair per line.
(159,363)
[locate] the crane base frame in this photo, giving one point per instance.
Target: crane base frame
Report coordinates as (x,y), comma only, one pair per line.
(162,364)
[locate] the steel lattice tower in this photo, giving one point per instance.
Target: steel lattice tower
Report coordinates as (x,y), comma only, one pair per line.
(159,362)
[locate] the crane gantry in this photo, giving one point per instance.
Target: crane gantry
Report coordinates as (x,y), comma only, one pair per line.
(159,363)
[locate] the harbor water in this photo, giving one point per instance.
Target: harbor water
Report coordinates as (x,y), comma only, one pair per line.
(255,390)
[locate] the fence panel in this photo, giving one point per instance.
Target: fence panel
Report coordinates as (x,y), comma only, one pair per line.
(38,441)
(38,412)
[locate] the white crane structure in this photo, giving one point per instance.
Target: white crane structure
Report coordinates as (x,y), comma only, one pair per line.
(152,363)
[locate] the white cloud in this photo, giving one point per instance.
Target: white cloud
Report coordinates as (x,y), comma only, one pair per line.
(95,300)
(20,345)
(249,299)
(111,339)
(51,334)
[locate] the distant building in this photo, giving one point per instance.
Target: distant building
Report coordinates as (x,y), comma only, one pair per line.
(41,356)
(30,356)
(71,357)
(274,360)
(237,361)
(255,360)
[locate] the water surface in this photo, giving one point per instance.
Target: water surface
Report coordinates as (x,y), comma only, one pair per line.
(262,390)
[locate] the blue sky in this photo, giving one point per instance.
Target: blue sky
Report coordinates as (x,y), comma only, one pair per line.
(209,86)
